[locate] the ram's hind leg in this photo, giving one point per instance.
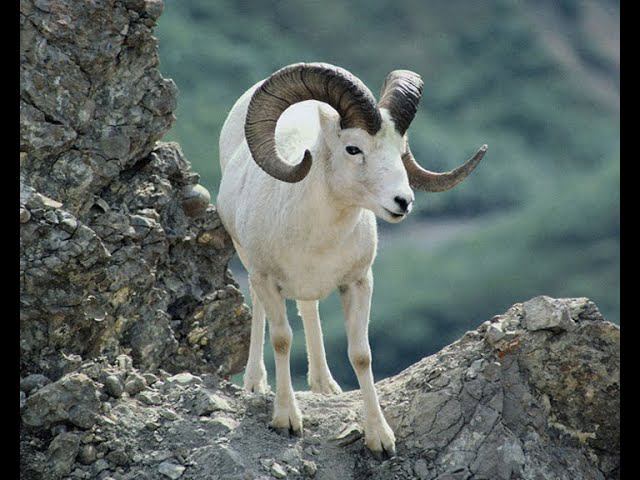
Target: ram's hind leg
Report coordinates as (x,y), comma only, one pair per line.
(255,374)
(319,376)
(286,414)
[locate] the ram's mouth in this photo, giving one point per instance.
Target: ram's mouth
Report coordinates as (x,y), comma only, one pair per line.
(394,215)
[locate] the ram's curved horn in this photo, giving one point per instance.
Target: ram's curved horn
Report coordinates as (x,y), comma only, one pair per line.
(400,95)
(422,179)
(296,83)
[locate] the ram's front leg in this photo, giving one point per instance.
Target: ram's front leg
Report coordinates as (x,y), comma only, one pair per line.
(286,414)
(356,301)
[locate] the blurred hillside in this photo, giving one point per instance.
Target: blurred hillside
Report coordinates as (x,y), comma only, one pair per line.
(536,80)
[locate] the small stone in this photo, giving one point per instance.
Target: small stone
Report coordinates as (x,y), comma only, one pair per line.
(483,326)
(171,470)
(184,379)
(100,465)
(135,384)
(473,370)
(87,454)
(266,463)
(150,378)
(195,200)
(206,402)
(153,8)
(545,313)
(277,471)
(25,215)
(69,225)
(124,362)
(58,429)
(431,454)
(50,202)
(494,334)
(23,399)
(33,382)
(421,469)
(290,456)
(225,424)
(348,435)
(51,217)
(62,453)
(168,414)
(118,457)
(113,386)
(150,398)
(152,425)
(309,468)
(161,455)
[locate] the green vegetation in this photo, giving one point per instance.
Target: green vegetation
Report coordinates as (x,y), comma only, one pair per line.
(537,81)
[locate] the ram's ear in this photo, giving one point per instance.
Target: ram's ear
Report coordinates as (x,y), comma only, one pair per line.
(329,120)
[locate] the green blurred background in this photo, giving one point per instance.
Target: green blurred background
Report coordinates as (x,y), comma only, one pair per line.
(538,81)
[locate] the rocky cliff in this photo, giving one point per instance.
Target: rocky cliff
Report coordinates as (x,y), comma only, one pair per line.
(121,251)
(130,319)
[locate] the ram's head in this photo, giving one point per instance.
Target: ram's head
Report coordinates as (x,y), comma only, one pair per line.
(368,159)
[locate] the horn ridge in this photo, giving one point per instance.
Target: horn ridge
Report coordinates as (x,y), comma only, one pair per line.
(400,95)
(295,83)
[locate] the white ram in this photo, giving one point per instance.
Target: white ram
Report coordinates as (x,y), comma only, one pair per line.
(305,228)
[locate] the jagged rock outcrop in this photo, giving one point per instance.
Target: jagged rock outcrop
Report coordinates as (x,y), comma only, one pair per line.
(130,319)
(120,250)
(532,394)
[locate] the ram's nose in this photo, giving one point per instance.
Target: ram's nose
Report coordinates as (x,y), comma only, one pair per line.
(404,202)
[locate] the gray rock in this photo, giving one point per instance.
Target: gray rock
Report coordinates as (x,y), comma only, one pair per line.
(62,452)
(206,402)
(184,378)
(134,384)
(494,333)
(87,454)
(113,386)
(124,362)
(108,255)
(118,457)
(309,468)
(278,471)
(150,398)
(195,200)
(348,435)
(32,382)
(100,466)
(171,470)
(25,215)
(73,398)
(421,469)
(224,424)
(150,378)
(525,406)
(545,313)
(291,456)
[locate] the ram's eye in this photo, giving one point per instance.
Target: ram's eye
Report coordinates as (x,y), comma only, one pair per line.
(351,150)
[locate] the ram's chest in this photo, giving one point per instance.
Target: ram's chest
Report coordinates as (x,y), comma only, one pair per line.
(316,275)
(311,270)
